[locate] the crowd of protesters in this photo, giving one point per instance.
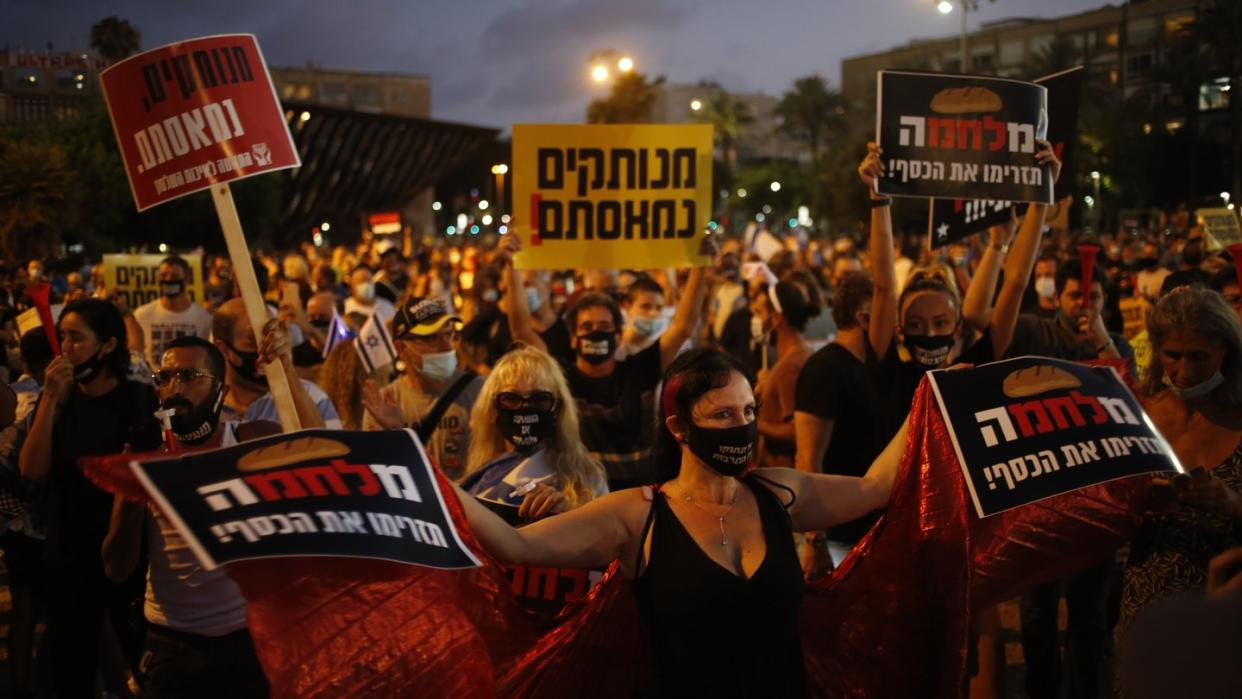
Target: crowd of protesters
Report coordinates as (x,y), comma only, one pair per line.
(550,394)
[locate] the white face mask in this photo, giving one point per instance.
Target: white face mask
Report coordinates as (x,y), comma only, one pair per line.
(439,366)
(365,291)
(1197,391)
(533,299)
(756,327)
(1046,287)
(646,327)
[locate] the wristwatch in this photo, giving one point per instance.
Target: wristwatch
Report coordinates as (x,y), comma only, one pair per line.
(1002,249)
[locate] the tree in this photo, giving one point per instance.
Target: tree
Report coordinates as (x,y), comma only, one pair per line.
(730,119)
(35,183)
(629,102)
(1055,57)
(811,112)
(114,38)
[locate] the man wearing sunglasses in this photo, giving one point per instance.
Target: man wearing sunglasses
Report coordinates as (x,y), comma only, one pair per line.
(197,641)
(434,397)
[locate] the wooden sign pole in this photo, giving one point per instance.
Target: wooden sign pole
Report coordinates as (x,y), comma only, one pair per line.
(256,310)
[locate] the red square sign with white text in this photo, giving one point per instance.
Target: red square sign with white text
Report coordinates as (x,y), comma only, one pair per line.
(194,114)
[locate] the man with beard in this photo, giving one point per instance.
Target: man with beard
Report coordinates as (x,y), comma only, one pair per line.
(248,397)
(172,315)
(197,642)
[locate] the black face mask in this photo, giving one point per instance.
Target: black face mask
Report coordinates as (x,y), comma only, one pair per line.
(726,450)
(929,350)
(195,424)
(597,347)
(171,289)
(86,372)
(525,429)
(1148,263)
(248,369)
(321,325)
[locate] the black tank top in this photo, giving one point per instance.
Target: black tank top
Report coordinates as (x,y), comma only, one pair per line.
(711,633)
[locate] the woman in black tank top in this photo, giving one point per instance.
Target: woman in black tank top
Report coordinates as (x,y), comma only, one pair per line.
(710,551)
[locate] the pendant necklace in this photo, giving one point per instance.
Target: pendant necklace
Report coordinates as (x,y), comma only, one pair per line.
(724,539)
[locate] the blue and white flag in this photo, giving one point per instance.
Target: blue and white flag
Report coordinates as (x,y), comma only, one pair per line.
(374,345)
(338,332)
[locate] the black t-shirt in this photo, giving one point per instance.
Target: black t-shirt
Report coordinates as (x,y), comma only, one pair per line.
(899,380)
(79,512)
(490,328)
(610,416)
(834,385)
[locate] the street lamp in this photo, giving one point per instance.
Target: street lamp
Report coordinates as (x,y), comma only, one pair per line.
(775,186)
(499,170)
(696,105)
(1095,210)
(945,7)
(599,73)
(625,64)
(1225,197)
(966,6)
(603,62)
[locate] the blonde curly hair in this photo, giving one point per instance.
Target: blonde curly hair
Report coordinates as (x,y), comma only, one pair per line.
(579,475)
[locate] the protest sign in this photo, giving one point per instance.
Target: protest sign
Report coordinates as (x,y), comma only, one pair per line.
(311,493)
(1221,224)
(133,277)
(961,136)
(1030,428)
(611,196)
(1134,315)
(195,115)
(954,219)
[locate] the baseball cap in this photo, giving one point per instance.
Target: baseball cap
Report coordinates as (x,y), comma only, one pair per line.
(421,317)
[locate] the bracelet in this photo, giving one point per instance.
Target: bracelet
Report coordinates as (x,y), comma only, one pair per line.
(1002,249)
(878,202)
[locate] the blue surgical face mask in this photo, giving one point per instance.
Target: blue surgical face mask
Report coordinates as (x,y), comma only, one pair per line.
(533,300)
(439,366)
(1199,390)
(647,327)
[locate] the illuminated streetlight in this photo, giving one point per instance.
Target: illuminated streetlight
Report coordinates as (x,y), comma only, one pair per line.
(741,192)
(163,247)
(325,226)
(945,7)
(1225,196)
(776,186)
(483,204)
(305,117)
(1095,174)
(599,73)
(487,219)
(695,105)
(500,169)
(436,206)
(626,64)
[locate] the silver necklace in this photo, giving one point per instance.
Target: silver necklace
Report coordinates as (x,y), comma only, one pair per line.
(724,538)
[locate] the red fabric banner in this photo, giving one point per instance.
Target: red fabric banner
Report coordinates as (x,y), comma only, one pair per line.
(336,627)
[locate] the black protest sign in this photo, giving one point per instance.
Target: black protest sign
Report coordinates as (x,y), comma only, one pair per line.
(1030,428)
(954,219)
(309,493)
(961,136)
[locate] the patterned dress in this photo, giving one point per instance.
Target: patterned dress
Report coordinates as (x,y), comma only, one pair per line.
(1169,555)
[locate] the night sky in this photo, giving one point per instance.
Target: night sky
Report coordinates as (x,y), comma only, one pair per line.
(496,62)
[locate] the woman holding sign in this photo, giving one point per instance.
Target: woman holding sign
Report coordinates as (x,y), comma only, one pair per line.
(1194,395)
(710,552)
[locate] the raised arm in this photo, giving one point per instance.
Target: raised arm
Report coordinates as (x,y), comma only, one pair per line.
(521,324)
(275,347)
(823,501)
(591,536)
(1020,261)
(880,249)
(977,306)
(686,318)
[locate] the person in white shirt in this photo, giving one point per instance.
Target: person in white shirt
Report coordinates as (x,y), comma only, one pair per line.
(362,297)
(173,314)
(197,640)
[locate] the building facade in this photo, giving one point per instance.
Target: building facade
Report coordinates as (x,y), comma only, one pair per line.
(683,104)
(35,86)
(396,94)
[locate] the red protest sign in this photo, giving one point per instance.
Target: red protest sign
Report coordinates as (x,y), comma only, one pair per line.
(194,114)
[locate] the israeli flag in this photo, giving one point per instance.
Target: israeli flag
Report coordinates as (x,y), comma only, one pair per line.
(373,344)
(338,332)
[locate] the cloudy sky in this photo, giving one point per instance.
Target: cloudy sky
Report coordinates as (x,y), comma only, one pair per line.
(498,62)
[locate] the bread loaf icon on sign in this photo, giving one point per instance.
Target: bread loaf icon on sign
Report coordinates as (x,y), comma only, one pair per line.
(966,100)
(291,452)
(1038,379)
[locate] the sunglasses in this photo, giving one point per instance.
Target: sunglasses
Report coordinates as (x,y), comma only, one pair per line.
(539,400)
(164,377)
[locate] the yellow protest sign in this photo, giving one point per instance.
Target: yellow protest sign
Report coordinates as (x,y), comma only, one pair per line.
(1221,224)
(611,196)
(1134,315)
(134,277)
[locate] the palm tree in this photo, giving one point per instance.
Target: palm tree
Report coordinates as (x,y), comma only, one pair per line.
(35,183)
(114,38)
(629,102)
(1055,57)
(811,112)
(730,120)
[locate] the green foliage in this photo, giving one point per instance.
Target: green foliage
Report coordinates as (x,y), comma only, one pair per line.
(629,102)
(730,119)
(811,112)
(35,184)
(114,38)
